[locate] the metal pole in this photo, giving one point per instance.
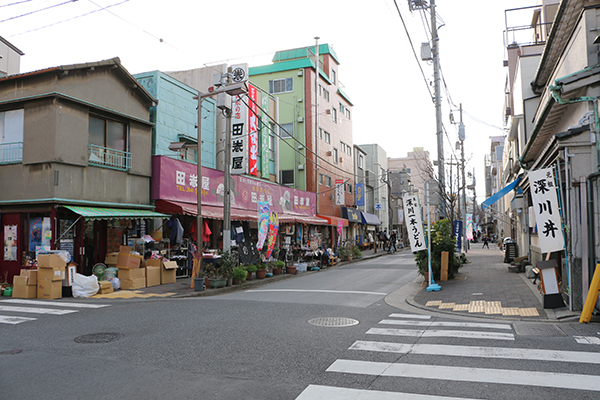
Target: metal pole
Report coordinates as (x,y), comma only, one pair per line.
(464,182)
(227,185)
(438,108)
(199,225)
(432,285)
(316,155)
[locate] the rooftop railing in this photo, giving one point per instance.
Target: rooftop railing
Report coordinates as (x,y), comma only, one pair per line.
(109,158)
(11,153)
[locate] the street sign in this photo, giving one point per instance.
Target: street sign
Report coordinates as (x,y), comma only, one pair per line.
(378,206)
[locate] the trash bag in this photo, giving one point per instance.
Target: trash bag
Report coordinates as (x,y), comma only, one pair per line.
(85,286)
(115,283)
(110,272)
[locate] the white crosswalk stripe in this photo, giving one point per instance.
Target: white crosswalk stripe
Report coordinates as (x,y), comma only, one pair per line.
(451,372)
(27,306)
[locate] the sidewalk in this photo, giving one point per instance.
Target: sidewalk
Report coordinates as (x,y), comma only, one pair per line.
(485,287)
(181,288)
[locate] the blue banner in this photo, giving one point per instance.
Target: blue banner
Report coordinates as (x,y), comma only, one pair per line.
(360,194)
(458,234)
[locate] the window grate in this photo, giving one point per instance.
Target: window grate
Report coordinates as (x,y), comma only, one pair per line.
(11,153)
(109,158)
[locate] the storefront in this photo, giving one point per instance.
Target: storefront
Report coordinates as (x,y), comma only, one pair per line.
(356,232)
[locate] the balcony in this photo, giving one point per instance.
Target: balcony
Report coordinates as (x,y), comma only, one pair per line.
(109,158)
(11,153)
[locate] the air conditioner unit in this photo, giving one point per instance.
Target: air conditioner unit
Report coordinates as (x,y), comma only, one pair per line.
(300,72)
(299,100)
(300,167)
(301,119)
(329,153)
(328,111)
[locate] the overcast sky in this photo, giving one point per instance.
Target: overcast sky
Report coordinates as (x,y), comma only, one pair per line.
(392,105)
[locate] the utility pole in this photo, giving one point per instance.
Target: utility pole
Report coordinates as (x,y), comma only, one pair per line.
(461,136)
(438,107)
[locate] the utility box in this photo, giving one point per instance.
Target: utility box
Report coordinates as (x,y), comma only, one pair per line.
(426,52)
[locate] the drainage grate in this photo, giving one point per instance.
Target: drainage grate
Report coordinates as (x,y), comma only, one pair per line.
(528,329)
(333,321)
(98,338)
(11,352)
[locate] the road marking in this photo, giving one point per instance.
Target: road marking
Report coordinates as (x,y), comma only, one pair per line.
(315,291)
(318,392)
(587,339)
(444,323)
(410,316)
(54,303)
(465,374)
(32,310)
(441,333)
(477,351)
(14,320)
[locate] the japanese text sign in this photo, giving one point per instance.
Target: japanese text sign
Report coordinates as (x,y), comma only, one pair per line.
(545,207)
(239,134)
(414,222)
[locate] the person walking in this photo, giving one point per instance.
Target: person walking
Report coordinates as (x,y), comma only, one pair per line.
(485,242)
(392,241)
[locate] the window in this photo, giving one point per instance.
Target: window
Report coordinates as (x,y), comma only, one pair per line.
(335,155)
(349,188)
(11,136)
(108,143)
(287,177)
(333,76)
(327,181)
(342,108)
(349,150)
(334,114)
(285,85)
(347,113)
(320,90)
(361,161)
(286,131)
(321,179)
(272,147)
(326,94)
(343,147)
(327,137)
(320,133)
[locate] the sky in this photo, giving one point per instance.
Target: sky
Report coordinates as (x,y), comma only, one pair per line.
(387,84)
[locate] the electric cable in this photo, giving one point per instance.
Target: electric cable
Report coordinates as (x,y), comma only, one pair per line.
(12,4)
(37,11)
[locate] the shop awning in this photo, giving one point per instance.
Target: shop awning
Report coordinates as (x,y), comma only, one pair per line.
(331,220)
(370,219)
(500,194)
(352,215)
(97,213)
(211,212)
(302,219)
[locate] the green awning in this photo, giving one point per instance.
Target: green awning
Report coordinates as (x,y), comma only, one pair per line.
(94,213)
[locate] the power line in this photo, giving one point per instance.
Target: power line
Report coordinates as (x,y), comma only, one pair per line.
(36,11)
(12,4)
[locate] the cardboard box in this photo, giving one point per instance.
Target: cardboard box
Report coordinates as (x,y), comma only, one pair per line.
(21,289)
(128,260)
(51,274)
(111,258)
(105,287)
(106,290)
(136,283)
(132,273)
(50,261)
(47,289)
(31,274)
(152,275)
(168,270)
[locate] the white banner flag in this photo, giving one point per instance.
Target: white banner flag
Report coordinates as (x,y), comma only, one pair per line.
(339,192)
(545,208)
(414,222)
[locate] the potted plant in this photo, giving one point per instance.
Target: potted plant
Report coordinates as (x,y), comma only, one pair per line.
(441,240)
(227,263)
(250,269)
(239,275)
(261,271)
(356,253)
(277,266)
(345,253)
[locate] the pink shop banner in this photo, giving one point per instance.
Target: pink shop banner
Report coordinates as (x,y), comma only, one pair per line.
(177,180)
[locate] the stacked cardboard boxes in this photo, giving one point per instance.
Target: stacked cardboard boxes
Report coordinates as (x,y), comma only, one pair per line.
(25,285)
(132,278)
(51,273)
(152,272)
(105,287)
(168,272)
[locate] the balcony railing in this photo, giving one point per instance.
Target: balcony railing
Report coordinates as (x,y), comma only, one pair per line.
(11,153)
(109,158)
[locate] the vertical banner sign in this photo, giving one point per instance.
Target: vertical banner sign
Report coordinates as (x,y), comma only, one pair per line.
(545,208)
(458,234)
(339,231)
(273,228)
(469,226)
(360,194)
(252,132)
(263,223)
(400,216)
(414,222)
(265,136)
(339,192)
(239,130)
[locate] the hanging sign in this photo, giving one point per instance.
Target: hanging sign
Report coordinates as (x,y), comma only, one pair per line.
(273,228)
(263,223)
(414,222)
(458,234)
(252,132)
(239,133)
(360,194)
(469,226)
(339,231)
(265,137)
(545,207)
(339,192)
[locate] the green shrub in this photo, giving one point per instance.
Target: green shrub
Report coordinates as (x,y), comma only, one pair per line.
(356,252)
(239,273)
(441,240)
(251,268)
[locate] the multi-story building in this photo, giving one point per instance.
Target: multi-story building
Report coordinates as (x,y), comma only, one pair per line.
(377,165)
(10,58)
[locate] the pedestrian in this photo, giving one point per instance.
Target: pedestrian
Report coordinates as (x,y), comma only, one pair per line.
(485,242)
(392,241)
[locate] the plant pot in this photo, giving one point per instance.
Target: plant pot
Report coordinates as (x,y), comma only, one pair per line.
(277,271)
(198,284)
(229,281)
(206,282)
(237,282)
(291,269)
(261,273)
(249,276)
(217,282)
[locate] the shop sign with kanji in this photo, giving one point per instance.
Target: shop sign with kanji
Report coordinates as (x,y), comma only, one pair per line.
(544,199)
(414,222)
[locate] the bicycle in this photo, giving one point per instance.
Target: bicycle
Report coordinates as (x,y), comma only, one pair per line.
(389,247)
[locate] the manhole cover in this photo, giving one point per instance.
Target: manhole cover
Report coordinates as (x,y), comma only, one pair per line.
(98,338)
(527,329)
(11,352)
(333,321)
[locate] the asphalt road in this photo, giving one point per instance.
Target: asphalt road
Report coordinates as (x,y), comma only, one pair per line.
(288,340)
